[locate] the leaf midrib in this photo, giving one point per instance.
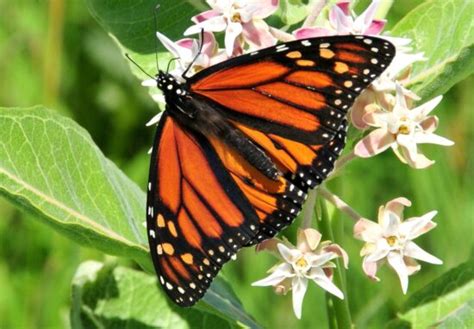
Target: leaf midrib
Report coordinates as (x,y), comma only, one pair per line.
(73,213)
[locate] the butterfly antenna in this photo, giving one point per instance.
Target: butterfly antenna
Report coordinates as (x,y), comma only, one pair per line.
(139,67)
(201,43)
(156,39)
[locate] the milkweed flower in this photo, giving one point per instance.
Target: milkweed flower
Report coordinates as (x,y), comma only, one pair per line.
(186,50)
(391,240)
(342,22)
(381,89)
(242,21)
(401,129)
(310,260)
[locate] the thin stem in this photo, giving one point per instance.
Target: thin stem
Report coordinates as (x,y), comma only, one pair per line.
(339,203)
(313,15)
(344,160)
(309,210)
(332,322)
(383,8)
(341,312)
(52,56)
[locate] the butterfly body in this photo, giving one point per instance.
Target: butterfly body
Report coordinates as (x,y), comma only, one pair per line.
(239,146)
(192,112)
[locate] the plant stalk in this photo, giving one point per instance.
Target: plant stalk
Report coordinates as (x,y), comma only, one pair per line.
(341,312)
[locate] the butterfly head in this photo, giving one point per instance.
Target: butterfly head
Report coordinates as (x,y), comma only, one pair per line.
(169,85)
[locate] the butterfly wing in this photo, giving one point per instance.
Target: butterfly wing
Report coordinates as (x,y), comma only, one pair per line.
(300,90)
(291,101)
(197,217)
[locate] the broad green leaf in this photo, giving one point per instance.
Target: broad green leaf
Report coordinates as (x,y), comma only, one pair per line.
(444,31)
(132,25)
(461,318)
(106,296)
(448,298)
(51,167)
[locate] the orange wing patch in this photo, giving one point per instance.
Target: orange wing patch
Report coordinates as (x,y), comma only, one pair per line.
(254,104)
(239,76)
(310,78)
(294,95)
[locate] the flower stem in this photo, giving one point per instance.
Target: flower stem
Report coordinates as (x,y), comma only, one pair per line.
(309,210)
(383,9)
(340,313)
(345,159)
(339,203)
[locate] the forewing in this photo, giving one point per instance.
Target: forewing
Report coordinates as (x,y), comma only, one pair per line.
(300,90)
(197,216)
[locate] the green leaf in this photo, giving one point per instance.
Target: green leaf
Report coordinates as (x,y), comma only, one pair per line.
(444,31)
(132,25)
(293,11)
(462,318)
(133,22)
(448,298)
(106,296)
(51,167)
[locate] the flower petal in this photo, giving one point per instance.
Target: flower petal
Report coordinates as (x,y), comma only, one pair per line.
(289,255)
(257,34)
(429,124)
(320,278)
(173,47)
(308,239)
(264,8)
(375,27)
(345,7)
(397,206)
(149,83)
(205,15)
(382,249)
(318,260)
(422,138)
(396,262)
(299,290)
(336,249)
(412,265)
(361,106)
(370,269)
(232,32)
(154,120)
(390,223)
(416,226)
(374,143)
(213,24)
(367,230)
(425,109)
(342,22)
(280,273)
(414,251)
(368,15)
(269,245)
(312,32)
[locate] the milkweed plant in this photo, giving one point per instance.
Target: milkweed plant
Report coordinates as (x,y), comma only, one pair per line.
(76,190)
(384,113)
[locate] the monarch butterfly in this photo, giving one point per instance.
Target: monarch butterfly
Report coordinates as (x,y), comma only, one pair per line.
(239,145)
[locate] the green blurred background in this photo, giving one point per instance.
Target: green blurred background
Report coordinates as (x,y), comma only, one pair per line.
(54,53)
